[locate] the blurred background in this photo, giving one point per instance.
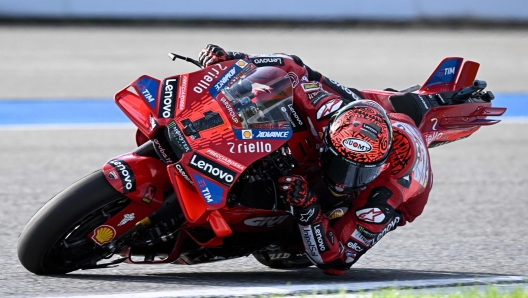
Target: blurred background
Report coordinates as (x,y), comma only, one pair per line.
(91,49)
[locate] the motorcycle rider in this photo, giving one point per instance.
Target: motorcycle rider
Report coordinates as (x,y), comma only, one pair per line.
(374,165)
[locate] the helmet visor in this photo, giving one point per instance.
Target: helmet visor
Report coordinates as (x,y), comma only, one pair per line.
(345,174)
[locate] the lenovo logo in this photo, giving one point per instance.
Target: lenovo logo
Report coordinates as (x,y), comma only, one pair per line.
(212,170)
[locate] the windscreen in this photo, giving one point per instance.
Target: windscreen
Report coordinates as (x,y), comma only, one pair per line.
(260,98)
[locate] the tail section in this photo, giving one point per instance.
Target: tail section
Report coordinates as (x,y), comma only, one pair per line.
(444,77)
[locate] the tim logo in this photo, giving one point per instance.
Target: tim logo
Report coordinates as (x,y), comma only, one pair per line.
(447,71)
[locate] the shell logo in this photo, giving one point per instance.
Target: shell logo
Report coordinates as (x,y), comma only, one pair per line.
(103,234)
(241,63)
(247,134)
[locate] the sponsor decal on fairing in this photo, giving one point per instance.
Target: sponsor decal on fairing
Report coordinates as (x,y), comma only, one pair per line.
(269,222)
(153,123)
(225,160)
(126,218)
(164,152)
(212,170)
(176,136)
(249,147)
(445,73)
(182,97)
(211,192)
(113,175)
(149,194)
(183,173)
(230,109)
(252,134)
(226,78)
(128,180)
(208,78)
(168,99)
(103,234)
(148,88)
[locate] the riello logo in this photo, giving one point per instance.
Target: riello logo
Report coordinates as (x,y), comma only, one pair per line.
(357,145)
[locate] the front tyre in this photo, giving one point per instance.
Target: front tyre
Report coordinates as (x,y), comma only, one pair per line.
(55,240)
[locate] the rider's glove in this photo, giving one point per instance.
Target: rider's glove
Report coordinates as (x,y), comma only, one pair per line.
(304,204)
(212,54)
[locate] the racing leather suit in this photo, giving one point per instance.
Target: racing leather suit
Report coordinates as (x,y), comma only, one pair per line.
(336,240)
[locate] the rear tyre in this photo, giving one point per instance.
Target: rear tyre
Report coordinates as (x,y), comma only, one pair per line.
(55,240)
(288,261)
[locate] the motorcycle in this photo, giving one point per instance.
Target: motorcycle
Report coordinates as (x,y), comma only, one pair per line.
(201,185)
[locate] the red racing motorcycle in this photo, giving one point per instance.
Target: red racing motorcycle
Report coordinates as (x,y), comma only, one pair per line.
(201,185)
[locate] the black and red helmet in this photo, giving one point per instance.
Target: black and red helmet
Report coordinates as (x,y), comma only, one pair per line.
(357,144)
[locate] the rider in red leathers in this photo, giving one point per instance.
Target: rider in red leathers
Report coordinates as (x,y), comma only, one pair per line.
(370,167)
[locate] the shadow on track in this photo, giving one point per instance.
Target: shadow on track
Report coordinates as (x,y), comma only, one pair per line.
(294,277)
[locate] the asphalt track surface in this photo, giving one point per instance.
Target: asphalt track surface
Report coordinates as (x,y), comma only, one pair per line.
(473,226)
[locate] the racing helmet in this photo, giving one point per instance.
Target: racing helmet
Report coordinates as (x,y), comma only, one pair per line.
(357,143)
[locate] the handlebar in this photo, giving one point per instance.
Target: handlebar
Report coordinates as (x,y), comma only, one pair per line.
(465,93)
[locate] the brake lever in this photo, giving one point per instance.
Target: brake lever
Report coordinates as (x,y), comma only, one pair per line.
(174,56)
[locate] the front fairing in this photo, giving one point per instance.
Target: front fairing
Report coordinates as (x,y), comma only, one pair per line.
(210,125)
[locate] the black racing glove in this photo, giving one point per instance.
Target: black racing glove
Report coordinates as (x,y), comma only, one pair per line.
(212,54)
(304,203)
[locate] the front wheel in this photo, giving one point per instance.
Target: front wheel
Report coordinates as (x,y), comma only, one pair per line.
(55,239)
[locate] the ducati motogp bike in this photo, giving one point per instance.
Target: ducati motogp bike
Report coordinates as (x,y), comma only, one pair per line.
(201,185)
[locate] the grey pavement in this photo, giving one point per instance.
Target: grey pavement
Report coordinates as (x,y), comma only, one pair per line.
(96,62)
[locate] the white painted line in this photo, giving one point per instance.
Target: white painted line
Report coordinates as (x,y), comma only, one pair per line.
(309,289)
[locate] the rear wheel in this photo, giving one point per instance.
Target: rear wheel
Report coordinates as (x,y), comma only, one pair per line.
(282,260)
(55,239)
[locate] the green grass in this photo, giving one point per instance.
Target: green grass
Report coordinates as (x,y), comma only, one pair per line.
(491,291)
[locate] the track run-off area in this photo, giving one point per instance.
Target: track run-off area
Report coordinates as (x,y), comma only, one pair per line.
(58,123)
